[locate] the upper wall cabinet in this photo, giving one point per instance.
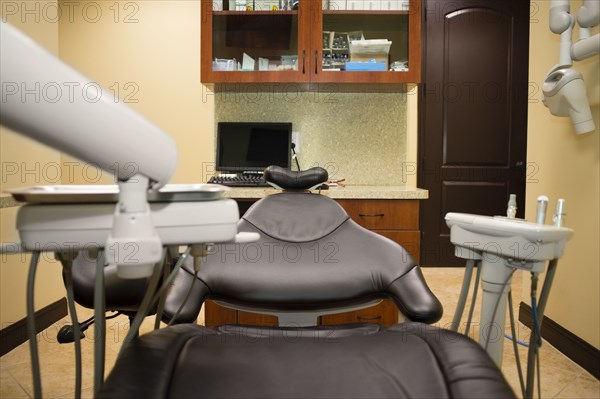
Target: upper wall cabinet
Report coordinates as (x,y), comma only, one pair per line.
(345,41)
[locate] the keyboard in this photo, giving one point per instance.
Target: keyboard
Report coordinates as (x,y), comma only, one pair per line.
(239,180)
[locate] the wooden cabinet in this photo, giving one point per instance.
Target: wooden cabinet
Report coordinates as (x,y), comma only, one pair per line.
(302,41)
(384,313)
(396,219)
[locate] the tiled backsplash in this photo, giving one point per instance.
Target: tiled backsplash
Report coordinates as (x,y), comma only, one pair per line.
(357,136)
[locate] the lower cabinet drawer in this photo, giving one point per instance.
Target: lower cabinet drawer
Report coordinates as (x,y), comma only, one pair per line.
(385,313)
(383,214)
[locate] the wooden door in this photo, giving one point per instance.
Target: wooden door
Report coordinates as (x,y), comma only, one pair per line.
(472,114)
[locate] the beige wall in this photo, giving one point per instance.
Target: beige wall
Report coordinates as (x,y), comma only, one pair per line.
(26,163)
(148,54)
(565,165)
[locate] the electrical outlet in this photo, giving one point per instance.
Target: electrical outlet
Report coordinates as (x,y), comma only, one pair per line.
(296,140)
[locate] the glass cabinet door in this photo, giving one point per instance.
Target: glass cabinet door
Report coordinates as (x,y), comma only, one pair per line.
(253,41)
(367,41)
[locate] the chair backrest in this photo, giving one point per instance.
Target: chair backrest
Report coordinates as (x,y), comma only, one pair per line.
(310,256)
(120,295)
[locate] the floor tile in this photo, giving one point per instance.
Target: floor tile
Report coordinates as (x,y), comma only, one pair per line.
(9,387)
(584,387)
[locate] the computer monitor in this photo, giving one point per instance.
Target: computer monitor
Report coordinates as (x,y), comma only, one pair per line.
(252,146)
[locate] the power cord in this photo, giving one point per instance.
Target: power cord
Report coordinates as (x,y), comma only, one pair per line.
(295,156)
(515,341)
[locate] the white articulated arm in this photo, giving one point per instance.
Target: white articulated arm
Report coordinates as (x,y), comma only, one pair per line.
(47,100)
(561,23)
(587,17)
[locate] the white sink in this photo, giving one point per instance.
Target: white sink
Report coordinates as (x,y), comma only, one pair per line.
(502,245)
(523,243)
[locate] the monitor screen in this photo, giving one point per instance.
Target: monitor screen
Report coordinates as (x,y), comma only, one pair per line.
(252,146)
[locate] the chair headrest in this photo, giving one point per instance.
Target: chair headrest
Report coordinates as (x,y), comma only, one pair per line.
(296,216)
(295,180)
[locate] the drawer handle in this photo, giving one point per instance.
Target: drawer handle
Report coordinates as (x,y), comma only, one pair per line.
(371,214)
(303,55)
(365,318)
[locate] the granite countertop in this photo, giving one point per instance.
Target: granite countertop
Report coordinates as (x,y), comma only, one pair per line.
(348,192)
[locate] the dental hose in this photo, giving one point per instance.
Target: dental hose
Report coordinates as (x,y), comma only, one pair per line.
(462,298)
(533,355)
(99,324)
(31,328)
(473,300)
(163,299)
(67,263)
(514,341)
(147,303)
(187,296)
(151,298)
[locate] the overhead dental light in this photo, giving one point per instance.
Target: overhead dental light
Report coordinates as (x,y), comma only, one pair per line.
(563,88)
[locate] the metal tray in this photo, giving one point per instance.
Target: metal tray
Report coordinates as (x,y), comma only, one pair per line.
(65,194)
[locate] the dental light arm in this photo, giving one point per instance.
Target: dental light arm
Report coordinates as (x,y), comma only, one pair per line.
(50,102)
(563,88)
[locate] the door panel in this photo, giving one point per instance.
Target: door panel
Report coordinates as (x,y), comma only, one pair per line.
(471,197)
(472,115)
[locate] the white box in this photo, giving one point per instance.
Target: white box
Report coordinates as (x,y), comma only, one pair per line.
(337,4)
(240,5)
(372,5)
(355,4)
(402,5)
(266,5)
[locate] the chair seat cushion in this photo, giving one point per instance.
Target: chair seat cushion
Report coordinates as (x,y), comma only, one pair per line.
(410,360)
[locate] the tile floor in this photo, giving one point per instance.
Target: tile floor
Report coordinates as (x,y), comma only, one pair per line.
(561,378)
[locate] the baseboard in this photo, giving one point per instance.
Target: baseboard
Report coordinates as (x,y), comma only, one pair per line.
(15,334)
(565,341)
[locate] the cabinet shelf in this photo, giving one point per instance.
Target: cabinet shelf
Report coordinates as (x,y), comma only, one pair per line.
(366,12)
(241,13)
(270,37)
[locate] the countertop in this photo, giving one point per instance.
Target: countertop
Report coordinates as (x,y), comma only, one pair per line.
(347,192)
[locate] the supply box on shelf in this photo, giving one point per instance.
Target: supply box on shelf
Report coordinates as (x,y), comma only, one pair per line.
(368,50)
(368,5)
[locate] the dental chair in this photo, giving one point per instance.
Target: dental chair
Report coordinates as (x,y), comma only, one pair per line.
(284,274)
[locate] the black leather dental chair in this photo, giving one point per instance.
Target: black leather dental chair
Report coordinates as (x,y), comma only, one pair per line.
(287,273)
